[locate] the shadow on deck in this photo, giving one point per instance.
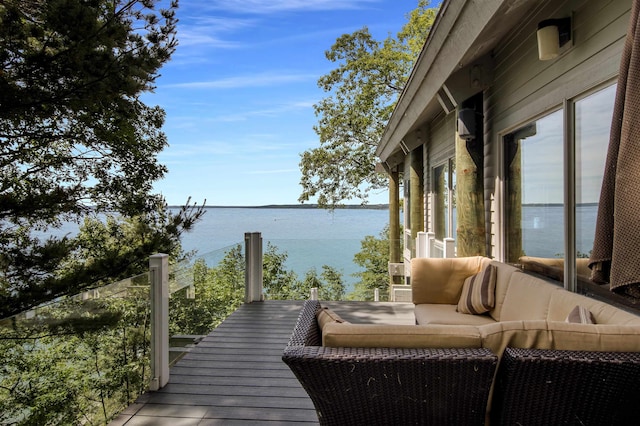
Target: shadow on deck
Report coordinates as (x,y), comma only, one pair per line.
(235,375)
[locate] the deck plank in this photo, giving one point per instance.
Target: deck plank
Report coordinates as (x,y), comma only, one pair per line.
(235,375)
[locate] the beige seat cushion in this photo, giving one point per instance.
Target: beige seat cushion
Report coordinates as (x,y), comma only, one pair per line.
(441,280)
(399,336)
(515,334)
(447,314)
(560,335)
(594,337)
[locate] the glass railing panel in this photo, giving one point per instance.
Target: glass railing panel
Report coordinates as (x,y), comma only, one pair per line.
(78,360)
(341,269)
(204,291)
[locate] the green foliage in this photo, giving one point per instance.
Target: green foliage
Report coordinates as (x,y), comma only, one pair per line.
(330,284)
(75,140)
(219,291)
(279,283)
(363,90)
(54,372)
(373,258)
(105,249)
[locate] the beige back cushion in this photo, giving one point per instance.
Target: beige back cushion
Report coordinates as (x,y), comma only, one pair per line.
(325,316)
(502,283)
(562,302)
(399,336)
(527,298)
(441,280)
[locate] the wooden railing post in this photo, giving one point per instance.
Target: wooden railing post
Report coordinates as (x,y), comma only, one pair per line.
(431,244)
(253,267)
(422,244)
(159,280)
(449,247)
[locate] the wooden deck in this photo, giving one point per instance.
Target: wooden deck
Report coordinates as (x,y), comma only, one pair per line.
(236,376)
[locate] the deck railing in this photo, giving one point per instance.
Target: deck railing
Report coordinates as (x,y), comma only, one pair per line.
(428,246)
(79,359)
(120,339)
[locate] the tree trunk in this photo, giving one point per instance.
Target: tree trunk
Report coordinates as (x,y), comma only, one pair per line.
(470,233)
(417,195)
(395,253)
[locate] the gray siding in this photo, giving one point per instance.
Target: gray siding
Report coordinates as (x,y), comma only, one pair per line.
(526,88)
(441,147)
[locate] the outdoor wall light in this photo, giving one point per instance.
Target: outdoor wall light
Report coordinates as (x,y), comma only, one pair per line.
(552,35)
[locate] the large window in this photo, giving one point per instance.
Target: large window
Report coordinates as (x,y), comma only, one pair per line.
(538,179)
(535,193)
(592,124)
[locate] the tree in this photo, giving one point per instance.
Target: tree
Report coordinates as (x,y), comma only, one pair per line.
(362,91)
(333,286)
(279,282)
(374,258)
(219,291)
(75,138)
(330,284)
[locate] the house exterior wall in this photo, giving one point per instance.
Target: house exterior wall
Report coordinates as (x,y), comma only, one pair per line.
(525,88)
(440,148)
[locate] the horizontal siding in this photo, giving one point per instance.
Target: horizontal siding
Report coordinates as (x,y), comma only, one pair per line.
(442,139)
(526,87)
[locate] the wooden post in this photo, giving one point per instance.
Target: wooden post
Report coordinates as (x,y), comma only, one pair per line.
(253,267)
(159,277)
(514,199)
(470,231)
(394,218)
(422,244)
(470,212)
(417,194)
(395,253)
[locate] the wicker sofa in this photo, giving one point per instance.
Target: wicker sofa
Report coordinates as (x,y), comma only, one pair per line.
(520,361)
(388,385)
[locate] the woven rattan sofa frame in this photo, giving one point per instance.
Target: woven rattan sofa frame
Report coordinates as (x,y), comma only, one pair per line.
(553,387)
(385,386)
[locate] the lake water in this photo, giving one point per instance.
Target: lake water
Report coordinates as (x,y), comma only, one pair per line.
(316,237)
(543,229)
(310,237)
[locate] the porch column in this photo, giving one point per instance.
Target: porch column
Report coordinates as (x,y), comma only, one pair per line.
(470,233)
(395,254)
(417,194)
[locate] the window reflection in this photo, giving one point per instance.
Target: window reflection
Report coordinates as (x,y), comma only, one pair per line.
(592,125)
(444,192)
(535,190)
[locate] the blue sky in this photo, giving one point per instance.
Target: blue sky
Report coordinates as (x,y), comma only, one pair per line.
(240,89)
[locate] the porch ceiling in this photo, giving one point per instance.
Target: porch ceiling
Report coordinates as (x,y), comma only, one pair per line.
(464,32)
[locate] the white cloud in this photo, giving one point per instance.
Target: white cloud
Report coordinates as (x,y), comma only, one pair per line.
(205,31)
(267,112)
(260,7)
(272,172)
(242,81)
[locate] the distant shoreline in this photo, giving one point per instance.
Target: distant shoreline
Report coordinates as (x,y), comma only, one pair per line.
(302,206)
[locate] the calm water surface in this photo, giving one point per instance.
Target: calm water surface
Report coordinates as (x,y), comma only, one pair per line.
(310,237)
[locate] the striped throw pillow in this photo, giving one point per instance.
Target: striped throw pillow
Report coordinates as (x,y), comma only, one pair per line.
(580,315)
(479,292)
